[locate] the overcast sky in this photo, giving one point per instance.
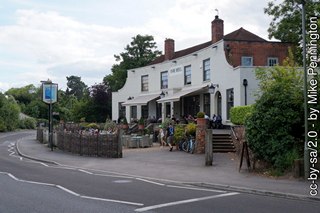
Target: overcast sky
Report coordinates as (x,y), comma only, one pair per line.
(58,38)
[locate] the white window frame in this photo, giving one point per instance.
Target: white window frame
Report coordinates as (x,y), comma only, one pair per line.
(272,61)
(244,61)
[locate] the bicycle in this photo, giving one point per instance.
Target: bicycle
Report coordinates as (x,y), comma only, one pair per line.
(189,145)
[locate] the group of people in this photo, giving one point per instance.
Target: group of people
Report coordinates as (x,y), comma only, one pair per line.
(166,137)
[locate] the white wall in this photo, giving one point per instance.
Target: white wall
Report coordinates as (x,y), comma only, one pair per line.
(222,73)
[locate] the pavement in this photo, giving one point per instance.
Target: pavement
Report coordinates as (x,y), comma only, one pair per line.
(156,163)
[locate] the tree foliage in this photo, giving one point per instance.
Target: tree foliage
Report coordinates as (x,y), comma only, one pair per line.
(9,113)
(286,24)
(275,128)
(140,52)
(76,87)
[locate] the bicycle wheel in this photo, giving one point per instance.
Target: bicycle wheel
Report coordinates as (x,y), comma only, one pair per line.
(185,146)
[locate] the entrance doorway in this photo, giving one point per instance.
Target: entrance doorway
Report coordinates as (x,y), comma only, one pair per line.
(219,103)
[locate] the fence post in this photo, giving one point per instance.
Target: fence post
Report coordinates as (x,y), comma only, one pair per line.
(208,148)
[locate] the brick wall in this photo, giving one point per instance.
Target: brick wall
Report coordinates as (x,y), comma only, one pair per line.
(260,51)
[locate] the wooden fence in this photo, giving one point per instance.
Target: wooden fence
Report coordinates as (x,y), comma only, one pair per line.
(101,145)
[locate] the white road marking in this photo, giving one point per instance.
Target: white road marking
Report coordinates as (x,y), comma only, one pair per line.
(67,190)
(114,201)
(197,189)
(122,181)
(147,208)
(72,192)
(13,177)
(84,171)
(152,182)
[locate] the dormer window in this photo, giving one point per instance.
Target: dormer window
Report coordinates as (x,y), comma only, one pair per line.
(272,61)
(247,61)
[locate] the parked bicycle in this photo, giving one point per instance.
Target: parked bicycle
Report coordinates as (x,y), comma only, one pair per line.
(189,144)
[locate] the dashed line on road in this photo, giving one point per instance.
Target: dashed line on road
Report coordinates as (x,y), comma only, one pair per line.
(71,192)
(147,208)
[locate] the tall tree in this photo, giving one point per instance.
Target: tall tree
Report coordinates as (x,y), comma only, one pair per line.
(76,87)
(286,22)
(140,52)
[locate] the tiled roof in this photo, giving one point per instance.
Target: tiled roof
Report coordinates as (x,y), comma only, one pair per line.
(238,35)
(242,35)
(184,52)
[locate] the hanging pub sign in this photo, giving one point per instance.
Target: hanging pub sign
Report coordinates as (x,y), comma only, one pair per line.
(49,93)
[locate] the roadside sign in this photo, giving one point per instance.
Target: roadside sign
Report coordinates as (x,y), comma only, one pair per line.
(49,93)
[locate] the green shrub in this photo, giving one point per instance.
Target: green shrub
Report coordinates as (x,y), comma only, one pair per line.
(166,123)
(141,121)
(191,129)
(274,128)
(110,125)
(124,120)
(93,126)
(3,126)
(200,115)
(179,133)
(29,123)
(239,114)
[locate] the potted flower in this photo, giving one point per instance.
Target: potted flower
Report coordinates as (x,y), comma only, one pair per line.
(200,119)
(141,123)
(124,123)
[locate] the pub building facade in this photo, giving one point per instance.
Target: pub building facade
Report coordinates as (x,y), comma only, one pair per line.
(211,77)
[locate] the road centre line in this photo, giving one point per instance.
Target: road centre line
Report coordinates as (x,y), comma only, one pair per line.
(147,208)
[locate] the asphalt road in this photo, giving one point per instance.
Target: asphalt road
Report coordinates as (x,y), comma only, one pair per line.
(30,186)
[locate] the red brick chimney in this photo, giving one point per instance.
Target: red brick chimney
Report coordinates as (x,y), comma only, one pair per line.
(168,49)
(216,29)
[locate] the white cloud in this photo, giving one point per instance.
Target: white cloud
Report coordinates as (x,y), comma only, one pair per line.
(51,41)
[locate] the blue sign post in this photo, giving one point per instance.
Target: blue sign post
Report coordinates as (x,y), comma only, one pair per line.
(50,96)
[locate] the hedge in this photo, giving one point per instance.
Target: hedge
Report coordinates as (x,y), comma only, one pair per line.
(240,113)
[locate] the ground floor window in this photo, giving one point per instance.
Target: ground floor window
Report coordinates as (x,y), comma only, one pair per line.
(133,112)
(144,111)
(206,104)
(230,98)
(159,110)
(191,105)
(122,110)
(168,110)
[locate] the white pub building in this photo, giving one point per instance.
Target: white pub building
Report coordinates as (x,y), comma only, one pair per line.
(210,77)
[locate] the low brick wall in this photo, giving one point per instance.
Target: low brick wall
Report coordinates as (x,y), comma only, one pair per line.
(105,145)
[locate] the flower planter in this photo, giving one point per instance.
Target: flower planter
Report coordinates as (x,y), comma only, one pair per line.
(201,121)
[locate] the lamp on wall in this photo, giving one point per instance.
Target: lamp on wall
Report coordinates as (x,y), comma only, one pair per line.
(162,95)
(212,88)
(130,98)
(245,84)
